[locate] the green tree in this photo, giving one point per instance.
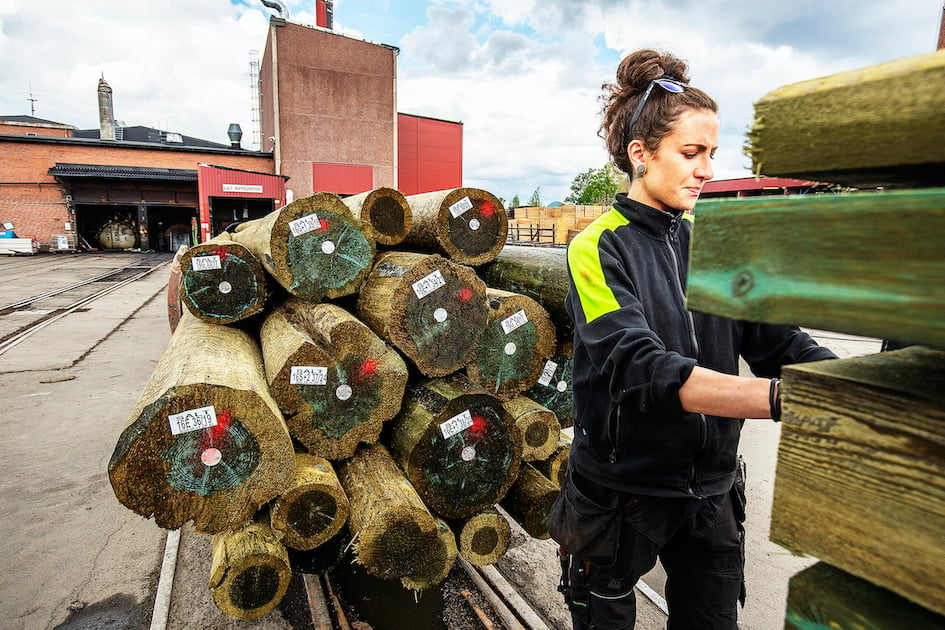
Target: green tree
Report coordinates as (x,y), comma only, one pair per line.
(535,200)
(515,202)
(595,186)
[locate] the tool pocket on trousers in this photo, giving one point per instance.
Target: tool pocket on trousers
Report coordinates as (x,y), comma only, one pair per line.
(584,528)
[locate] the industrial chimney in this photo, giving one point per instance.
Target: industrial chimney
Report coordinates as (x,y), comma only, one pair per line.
(106,114)
(235,133)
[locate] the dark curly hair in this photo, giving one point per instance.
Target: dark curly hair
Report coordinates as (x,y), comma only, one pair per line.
(662,108)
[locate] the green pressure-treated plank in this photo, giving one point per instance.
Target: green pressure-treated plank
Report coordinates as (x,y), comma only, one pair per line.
(876,126)
(869,264)
(823,597)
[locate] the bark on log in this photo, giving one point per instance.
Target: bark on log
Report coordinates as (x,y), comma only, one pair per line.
(539,427)
(392,527)
(333,378)
(541,273)
(222,282)
(313,247)
(249,572)
(429,308)
(516,341)
(174,303)
(555,466)
(438,560)
(823,596)
(467,225)
(387,212)
(483,538)
(529,501)
(313,509)
(457,445)
(205,440)
(553,389)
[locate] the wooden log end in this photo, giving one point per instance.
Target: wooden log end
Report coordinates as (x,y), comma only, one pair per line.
(529,501)
(484,538)
(249,572)
(222,282)
(438,560)
(314,509)
(539,427)
(468,225)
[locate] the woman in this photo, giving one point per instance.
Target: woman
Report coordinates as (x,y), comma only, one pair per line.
(657,400)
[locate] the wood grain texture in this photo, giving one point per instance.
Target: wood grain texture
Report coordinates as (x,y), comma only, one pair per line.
(555,466)
(483,538)
(326,256)
(456,444)
(249,571)
(529,501)
(351,381)
(387,212)
(390,523)
(517,340)
(861,469)
(313,509)
(540,273)
(217,476)
(437,561)
(823,596)
(868,264)
(467,225)
(876,126)
(554,387)
(539,427)
(222,282)
(436,329)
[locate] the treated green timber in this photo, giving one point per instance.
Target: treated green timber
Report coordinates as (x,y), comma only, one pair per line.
(869,264)
(823,597)
(876,126)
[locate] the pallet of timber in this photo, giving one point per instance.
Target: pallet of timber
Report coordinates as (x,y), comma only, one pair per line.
(868,264)
(861,469)
(876,126)
(823,596)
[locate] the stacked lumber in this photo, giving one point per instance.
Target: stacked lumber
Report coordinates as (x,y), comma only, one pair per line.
(321,399)
(555,225)
(860,482)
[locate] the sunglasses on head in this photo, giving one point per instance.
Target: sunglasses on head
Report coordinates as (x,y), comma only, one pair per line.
(670,85)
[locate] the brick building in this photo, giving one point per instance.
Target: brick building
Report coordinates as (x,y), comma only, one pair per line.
(329,123)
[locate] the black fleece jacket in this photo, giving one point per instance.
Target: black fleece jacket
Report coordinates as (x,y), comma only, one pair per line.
(635,344)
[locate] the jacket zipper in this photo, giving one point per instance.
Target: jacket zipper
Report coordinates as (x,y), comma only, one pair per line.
(614,451)
(703,428)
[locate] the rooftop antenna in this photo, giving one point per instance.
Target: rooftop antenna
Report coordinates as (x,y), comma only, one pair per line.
(32,100)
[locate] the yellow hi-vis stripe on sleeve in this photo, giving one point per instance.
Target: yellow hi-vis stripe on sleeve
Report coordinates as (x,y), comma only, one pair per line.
(586,272)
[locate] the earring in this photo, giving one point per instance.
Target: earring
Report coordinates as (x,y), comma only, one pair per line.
(641,169)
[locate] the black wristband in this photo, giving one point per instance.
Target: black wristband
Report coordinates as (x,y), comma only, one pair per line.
(774,399)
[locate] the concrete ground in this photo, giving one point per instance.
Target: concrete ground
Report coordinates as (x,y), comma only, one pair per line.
(72,557)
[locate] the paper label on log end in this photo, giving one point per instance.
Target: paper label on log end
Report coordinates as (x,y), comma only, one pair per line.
(457,423)
(192,420)
(461,206)
(305,224)
(428,284)
(547,373)
(308,375)
(514,321)
(203,263)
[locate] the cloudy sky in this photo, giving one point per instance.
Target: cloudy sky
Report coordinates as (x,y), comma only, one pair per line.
(523,76)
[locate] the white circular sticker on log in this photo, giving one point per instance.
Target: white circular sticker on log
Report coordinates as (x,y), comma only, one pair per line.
(474,224)
(562,386)
(468,454)
(510,348)
(211,457)
(225,287)
(343,392)
(440,314)
(328,247)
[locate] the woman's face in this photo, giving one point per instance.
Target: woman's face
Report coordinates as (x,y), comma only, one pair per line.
(676,172)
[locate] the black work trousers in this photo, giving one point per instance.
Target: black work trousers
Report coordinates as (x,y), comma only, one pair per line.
(698,541)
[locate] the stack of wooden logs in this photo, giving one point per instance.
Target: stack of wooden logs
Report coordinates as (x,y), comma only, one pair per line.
(860,482)
(377,372)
